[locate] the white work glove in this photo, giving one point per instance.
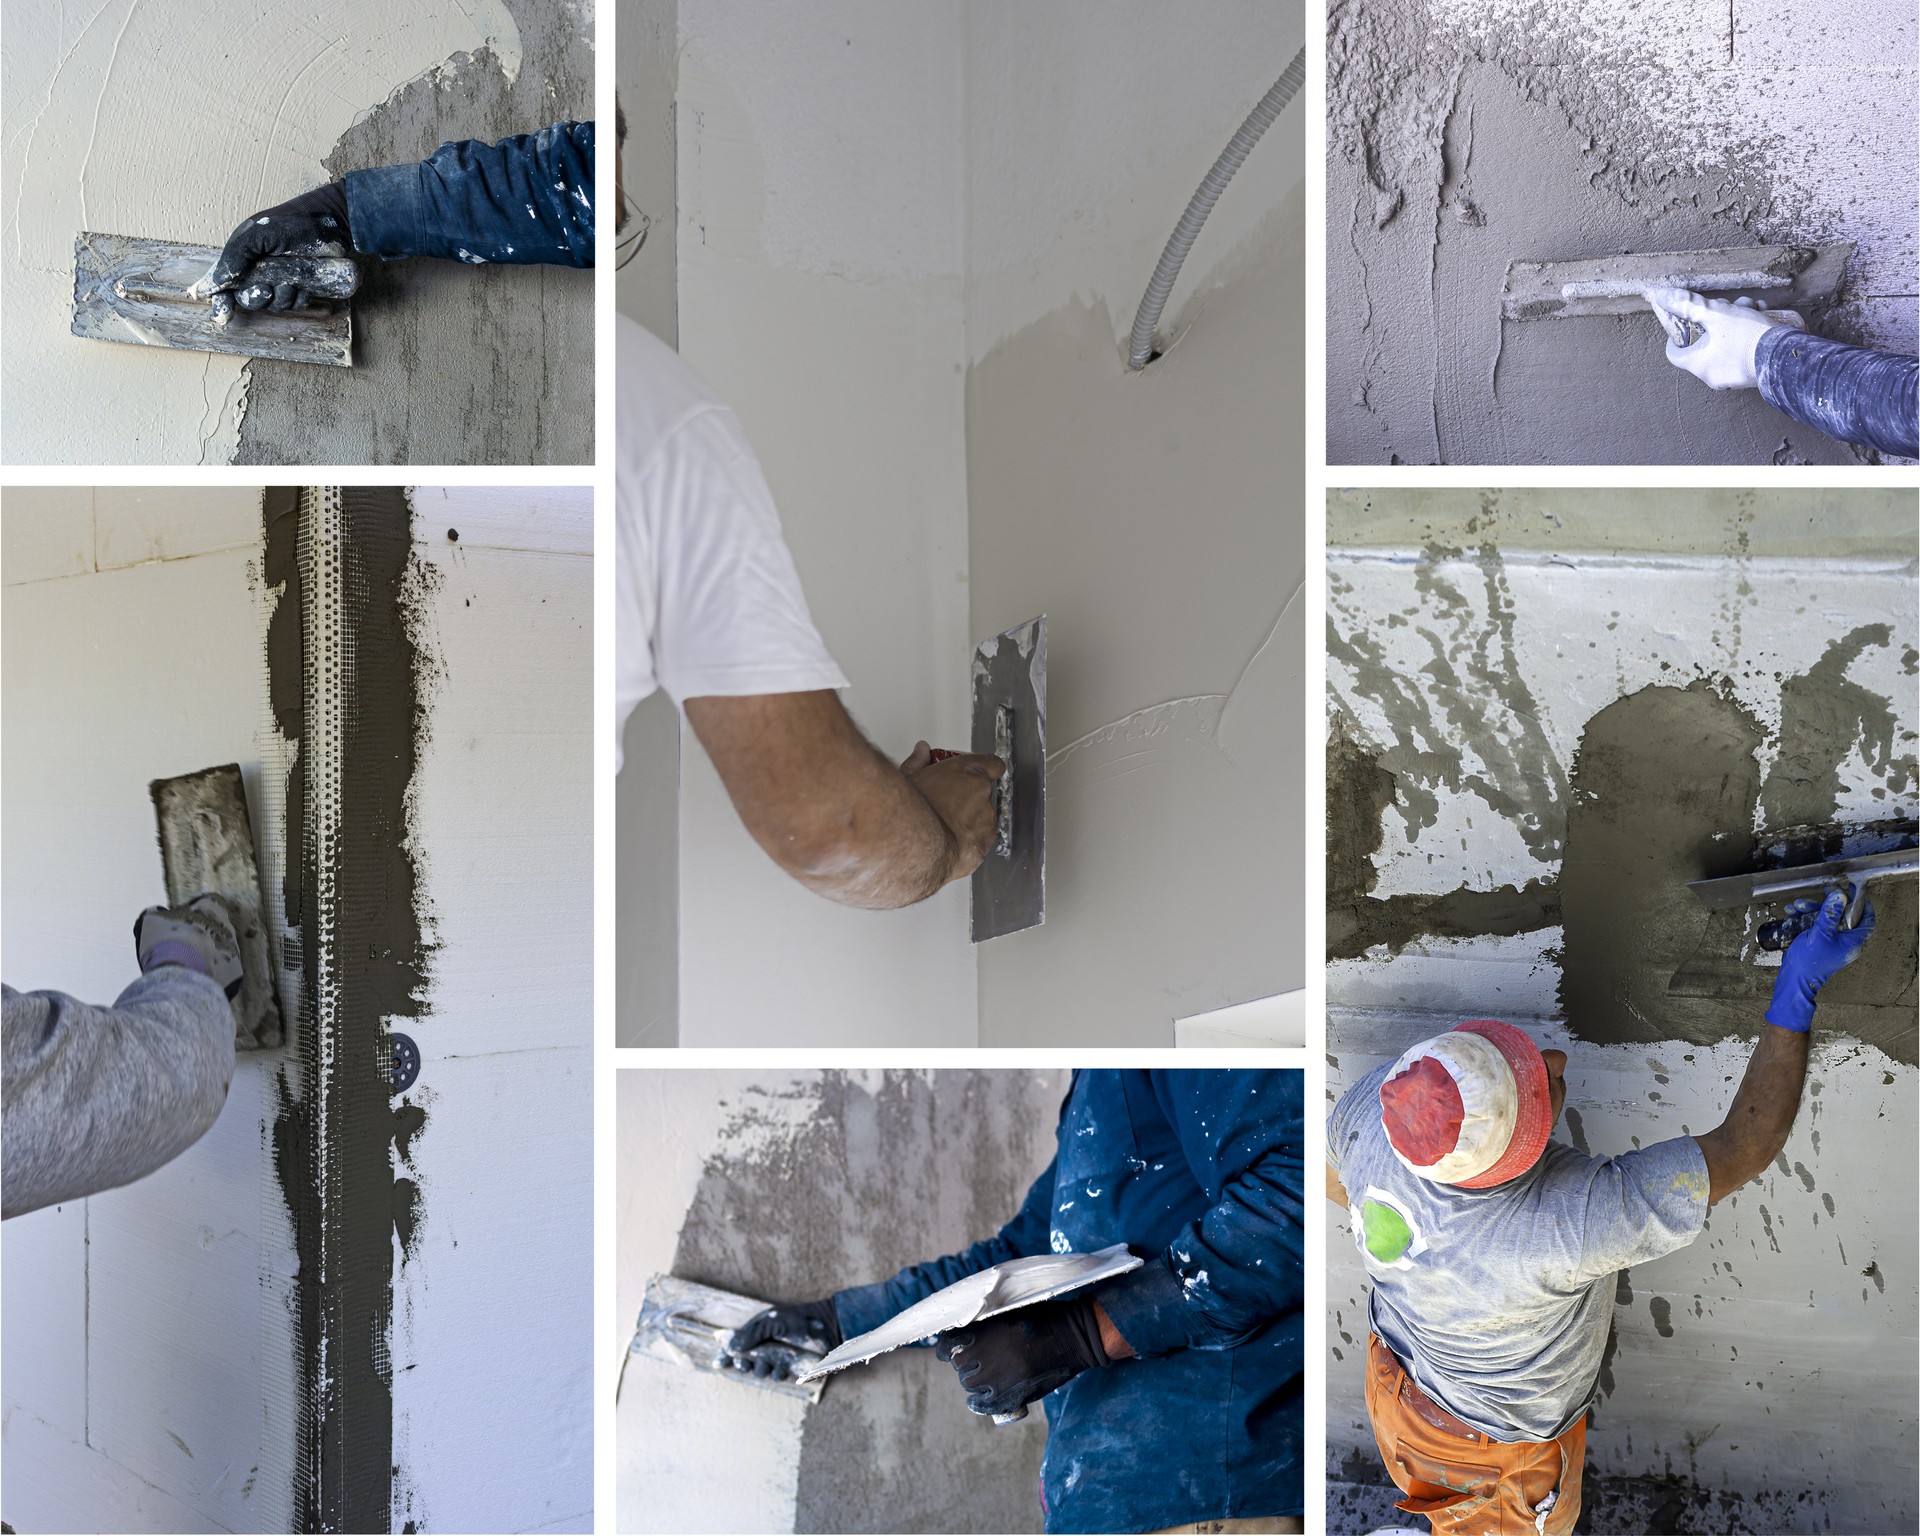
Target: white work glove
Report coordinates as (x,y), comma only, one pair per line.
(198,935)
(1725,336)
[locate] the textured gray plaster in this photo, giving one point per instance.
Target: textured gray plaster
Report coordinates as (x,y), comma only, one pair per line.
(452,364)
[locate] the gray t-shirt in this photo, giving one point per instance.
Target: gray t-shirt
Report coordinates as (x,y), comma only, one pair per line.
(1497,1300)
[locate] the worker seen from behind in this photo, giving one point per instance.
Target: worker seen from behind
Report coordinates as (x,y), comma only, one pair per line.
(1172,1392)
(1855,394)
(1491,1252)
(98,1097)
(709,608)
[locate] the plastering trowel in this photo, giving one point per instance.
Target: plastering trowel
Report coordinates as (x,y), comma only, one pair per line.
(1010,721)
(206,844)
(1812,880)
(685,1323)
(983,1294)
(1797,277)
(135,290)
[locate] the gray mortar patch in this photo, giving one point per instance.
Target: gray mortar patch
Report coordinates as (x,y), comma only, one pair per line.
(453,364)
(364,953)
(867,1182)
(1457,146)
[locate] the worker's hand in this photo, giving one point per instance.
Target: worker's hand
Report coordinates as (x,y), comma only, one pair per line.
(1010,1360)
(959,787)
(285,257)
(199,936)
(1812,959)
(1725,336)
(772,1343)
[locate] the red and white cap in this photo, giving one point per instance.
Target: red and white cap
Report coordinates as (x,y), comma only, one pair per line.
(1471,1108)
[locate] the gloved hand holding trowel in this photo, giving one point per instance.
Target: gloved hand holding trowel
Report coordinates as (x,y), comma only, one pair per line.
(1148,1292)
(1854,394)
(526,199)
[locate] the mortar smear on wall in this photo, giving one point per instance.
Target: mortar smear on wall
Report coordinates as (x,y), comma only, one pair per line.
(114,121)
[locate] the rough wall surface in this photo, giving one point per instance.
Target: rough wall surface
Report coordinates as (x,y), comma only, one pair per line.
(1154,517)
(1464,136)
(453,364)
(175,120)
(819,252)
(147,1334)
(790,1185)
(1548,711)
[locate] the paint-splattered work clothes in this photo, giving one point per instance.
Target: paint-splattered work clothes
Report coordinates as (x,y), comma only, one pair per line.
(1201,1173)
(1465,1482)
(1497,1300)
(98,1097)
(706,598)
(526,199)
(1853,394)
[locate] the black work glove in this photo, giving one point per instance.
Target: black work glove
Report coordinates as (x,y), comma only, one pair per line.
(1010,1360)
(773,1342)
(285,257)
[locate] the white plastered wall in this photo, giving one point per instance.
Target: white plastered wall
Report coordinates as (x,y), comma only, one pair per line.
(871,203)
(1741,1356)
(173,122)
(148,1353)
(493,1387)
(145,1330)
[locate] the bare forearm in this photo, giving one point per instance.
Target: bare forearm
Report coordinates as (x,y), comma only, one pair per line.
(892,850)
(1761,1117)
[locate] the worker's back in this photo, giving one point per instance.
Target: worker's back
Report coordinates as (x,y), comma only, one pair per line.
(1497,1300)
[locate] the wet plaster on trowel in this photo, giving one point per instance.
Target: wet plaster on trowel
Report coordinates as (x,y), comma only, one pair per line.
(1464,137)
(1710,708)
(453,364)
(345,674)
(175,121)
(820,1181)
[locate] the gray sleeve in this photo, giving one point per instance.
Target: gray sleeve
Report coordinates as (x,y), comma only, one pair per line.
(1642,1205)
(1358,1106)
(98,1097)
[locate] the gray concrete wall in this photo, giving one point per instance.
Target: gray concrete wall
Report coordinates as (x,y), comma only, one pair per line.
(788,1185)
(1548,711)
(1462,137)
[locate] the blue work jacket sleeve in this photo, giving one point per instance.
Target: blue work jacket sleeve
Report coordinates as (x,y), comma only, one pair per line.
(863,1307)
(526,199)
(1240,1265)
(1855,394)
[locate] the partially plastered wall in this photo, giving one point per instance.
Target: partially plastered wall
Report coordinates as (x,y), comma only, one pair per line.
(1548,711)
(788,1185)
(1465,136)
(186,1382)
(908,249)
(1154,517)
(175,120)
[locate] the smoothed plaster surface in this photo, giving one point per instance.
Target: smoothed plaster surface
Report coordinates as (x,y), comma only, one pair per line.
(174,121)
(1535,740)
(1462,137)
(789,1185)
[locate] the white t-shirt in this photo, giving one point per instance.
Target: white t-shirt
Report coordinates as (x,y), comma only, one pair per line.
(706,598)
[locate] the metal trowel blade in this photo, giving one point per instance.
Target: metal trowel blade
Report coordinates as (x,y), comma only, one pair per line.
(687,1324)
(1797,277)
(129,289)
(1010,721)
(206,844)
(1804,879)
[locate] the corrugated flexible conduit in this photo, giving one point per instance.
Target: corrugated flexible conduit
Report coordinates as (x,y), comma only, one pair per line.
(1140,344)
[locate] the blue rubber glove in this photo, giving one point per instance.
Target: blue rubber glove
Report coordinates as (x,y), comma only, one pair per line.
(1812,959)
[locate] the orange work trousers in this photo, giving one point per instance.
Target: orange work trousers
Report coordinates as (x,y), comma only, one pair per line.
(1464,1482)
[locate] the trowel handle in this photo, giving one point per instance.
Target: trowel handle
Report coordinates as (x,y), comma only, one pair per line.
(1782,931)
(1011,1418)
(1003,749)
(1858,904)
